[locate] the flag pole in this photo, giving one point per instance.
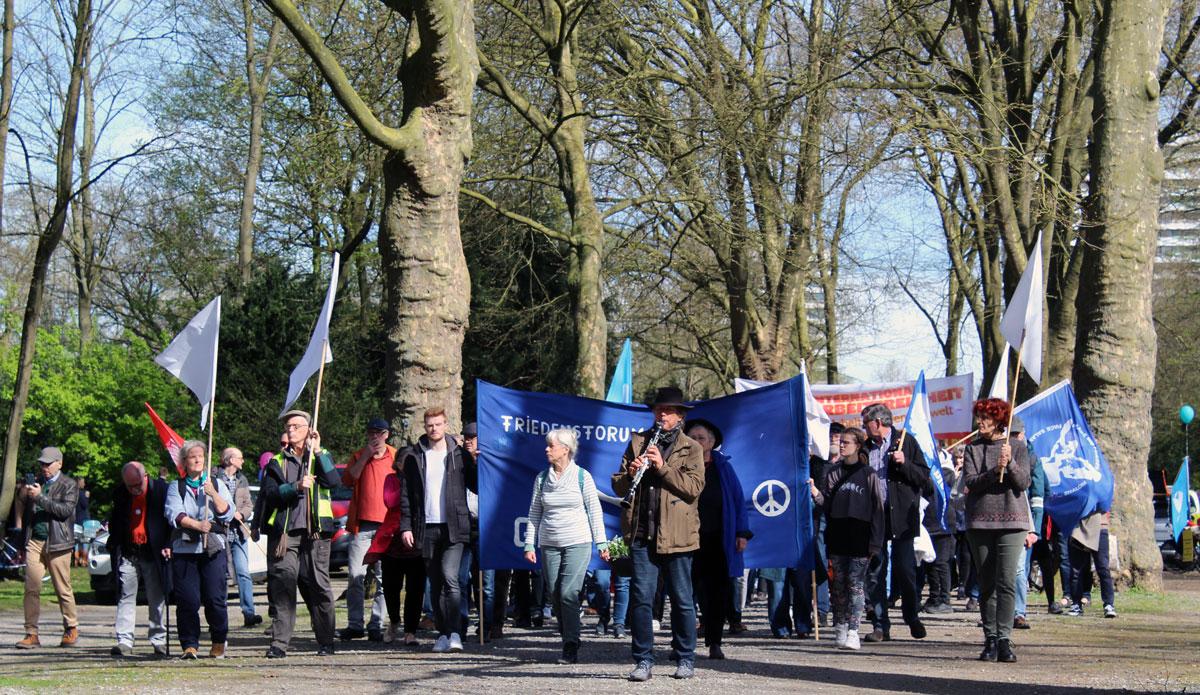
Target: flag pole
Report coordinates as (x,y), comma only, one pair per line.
(482,608)
(212,413)
(1012,399)
(316,417)
(960,441)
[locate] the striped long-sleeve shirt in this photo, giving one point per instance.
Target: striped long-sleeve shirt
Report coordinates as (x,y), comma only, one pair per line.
(563,511)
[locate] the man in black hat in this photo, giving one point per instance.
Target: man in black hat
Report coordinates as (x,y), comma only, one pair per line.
(364,473)
(662,529)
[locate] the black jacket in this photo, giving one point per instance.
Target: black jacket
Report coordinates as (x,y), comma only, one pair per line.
(461,475)
(58,500)
(283,498)
(158,531)
(906,483)
(860,497)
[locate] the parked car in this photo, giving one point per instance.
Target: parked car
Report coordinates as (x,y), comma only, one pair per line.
(339,550)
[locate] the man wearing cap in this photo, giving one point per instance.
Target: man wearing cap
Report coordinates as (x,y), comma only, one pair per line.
(662,529)
(49,514)
(299,527)
(364,473)
(139,539)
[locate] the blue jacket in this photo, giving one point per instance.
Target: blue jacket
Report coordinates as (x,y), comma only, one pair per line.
(733,507)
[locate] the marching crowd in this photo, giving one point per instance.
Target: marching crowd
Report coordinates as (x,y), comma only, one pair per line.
(883,534)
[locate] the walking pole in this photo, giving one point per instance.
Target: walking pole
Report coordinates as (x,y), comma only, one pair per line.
(1012,401)
(482,601)
(168,607)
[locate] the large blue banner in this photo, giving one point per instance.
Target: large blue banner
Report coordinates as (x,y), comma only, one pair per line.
(764,437)
(1079,478)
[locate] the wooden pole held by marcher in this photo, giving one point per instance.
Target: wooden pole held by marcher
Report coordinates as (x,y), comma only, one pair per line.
(483,627)
(312,492)
(960,441)
(1012,401)
(212,425)
(816,614)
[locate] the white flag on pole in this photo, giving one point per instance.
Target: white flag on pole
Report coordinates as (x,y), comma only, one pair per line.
(1021,325)
(1000,381)
(192,356)
(311,362)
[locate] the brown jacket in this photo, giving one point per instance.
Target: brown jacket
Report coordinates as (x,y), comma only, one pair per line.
(681,481)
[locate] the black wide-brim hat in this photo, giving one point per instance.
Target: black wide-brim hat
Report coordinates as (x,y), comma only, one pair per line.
(718,438)
(670,396)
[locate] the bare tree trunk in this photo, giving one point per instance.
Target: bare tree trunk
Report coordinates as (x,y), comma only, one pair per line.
(6,94)
(1115,346)
(83,246)
(47,243)
(256,84)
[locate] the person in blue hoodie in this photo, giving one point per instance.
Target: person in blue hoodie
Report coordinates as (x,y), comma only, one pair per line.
(724,532)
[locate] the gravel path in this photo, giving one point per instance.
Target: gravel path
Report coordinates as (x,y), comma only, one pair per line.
(1151,647)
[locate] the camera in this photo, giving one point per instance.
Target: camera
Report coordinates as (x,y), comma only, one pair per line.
(30,480)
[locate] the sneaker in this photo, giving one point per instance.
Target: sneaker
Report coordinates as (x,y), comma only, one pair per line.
(601,629)
(876,635)
(1085,601)
(121,650)
(1055,608)
(972,604)
(456,644)
(939,608)
(70,637)
(160,652)
(276,653)
(1076,610)
(30,641)
(823,619)
(1109,611)
(217,651)
(442,644)
(839,639)
(656,625)
(389,635)
(190,654)
(618,631)
(641,673)
(684,670)
(1021,623)
(852,642)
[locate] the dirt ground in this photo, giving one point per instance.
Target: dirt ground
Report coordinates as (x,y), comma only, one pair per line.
(1152,647)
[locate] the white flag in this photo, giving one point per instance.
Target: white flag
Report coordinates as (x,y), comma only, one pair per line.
(1021,325)
(192,356)
(1000,381)
(311,362)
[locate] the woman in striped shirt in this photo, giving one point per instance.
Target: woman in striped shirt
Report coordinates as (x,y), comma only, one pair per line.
(565,518)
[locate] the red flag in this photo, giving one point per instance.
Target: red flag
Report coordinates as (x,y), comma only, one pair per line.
(170,438)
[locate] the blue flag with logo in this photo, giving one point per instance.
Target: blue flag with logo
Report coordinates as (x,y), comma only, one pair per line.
(1079,479)
(620,389)
(1179,500)
(919,425)
(764,438)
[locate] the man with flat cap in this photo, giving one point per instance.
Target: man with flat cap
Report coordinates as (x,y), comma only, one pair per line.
(662,529)
(48,505)
(299,523)
(364,473)
(139,539)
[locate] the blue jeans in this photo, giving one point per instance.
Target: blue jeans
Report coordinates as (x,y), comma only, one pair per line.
(677,579)
(241,570)
(777,605)
(1023,583)
(598,598)
(356,586)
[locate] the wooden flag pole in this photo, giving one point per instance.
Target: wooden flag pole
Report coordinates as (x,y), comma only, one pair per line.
(1012,400)
(212,425)
(482,627)
(815,612)
(308,507)
(960,441)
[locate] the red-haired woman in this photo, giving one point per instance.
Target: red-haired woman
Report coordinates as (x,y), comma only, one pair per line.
(995,477)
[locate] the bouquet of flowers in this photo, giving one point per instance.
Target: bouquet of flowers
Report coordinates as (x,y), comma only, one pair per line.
(618,557)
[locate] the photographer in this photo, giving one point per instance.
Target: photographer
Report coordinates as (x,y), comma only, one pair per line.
(48,504)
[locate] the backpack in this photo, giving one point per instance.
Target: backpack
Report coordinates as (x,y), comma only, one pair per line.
(541,486)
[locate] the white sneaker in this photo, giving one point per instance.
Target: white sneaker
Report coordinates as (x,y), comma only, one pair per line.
(455,642)
(443,644)
(656,625)
(852,641)
(840,640)
(389,635)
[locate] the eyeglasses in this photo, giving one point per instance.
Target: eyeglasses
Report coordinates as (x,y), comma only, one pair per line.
(293,428)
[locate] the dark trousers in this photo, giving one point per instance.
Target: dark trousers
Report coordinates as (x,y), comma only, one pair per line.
(199,579)
(442,568)
(398,573)
(714,590)
(904,582)
(1082,559)
(676,569)
(1045,554)
(937,573)
(528,590)
(305,566)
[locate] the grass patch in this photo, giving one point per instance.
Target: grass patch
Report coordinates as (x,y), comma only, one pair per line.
(1137,601)
(92,677)
(12,590)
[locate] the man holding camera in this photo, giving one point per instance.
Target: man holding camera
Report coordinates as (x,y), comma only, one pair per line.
(48,503)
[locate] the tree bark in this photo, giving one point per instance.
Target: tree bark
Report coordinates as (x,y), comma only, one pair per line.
(1115,345)
(84,245)
(47,243)
(256,88)
(6,93)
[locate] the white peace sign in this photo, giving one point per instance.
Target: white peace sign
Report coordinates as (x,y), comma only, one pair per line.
(771,507)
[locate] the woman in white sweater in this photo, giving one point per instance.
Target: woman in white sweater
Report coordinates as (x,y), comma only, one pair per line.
(565,517)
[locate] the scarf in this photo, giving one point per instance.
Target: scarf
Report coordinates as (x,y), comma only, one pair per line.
(197,483)
(137,530)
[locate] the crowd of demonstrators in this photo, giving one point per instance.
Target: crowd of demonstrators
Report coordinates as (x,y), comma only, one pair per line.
(199,509)
(413,530)
(565,521)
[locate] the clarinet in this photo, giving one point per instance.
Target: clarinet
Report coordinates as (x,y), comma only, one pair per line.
(656,433)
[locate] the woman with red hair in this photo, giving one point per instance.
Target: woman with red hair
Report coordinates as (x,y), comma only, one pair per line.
(995,477)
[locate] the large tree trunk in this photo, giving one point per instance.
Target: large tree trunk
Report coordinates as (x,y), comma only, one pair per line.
(256,84)
(1115,347)
(6,93)
(47,243)
(84,247)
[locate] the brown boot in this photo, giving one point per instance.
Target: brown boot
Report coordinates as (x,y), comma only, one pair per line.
(70,637)
(217,651)
(30,642)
